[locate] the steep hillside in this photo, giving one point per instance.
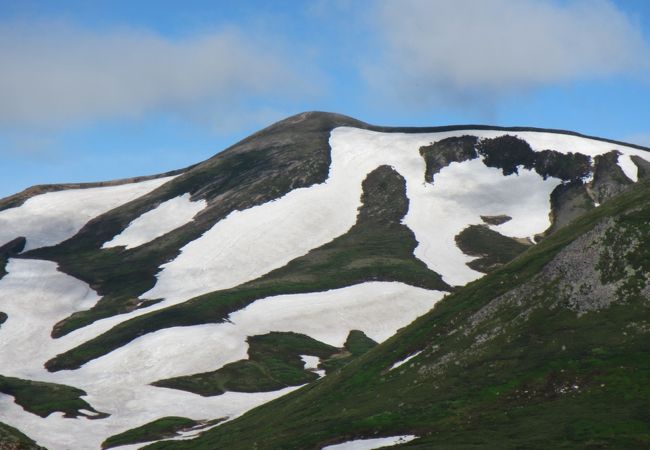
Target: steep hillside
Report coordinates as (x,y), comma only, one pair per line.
(551,351)
(164,307)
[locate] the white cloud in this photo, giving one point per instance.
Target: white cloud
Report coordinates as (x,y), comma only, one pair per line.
(56,73)
(478,50)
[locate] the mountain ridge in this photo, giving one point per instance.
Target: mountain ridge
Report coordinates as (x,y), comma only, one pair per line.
(311,229)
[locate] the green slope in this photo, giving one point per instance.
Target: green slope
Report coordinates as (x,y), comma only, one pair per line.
(550,351)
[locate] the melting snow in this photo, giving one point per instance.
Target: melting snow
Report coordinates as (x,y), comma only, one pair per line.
(161,220)
(369,444)
(50,218)
(35,296)
(405,360)
(311,362)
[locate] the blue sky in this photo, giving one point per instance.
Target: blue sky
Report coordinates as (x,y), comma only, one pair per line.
(103,90)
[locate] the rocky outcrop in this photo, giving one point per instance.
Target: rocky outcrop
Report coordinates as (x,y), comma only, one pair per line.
(568,202)
(609,178)
(444,152)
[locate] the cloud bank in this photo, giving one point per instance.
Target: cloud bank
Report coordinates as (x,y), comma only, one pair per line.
(55,74)
(463,50)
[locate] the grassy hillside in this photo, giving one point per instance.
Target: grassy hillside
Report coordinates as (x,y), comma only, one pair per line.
(550,351)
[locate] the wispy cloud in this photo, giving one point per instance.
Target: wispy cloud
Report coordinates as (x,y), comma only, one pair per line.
(55,74)
(473,51)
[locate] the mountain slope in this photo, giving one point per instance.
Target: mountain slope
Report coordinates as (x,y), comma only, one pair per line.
(549,352)
(318,234)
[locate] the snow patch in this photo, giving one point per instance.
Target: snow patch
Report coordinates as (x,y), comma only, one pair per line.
(369,444)
(629,168)
(405,360)
(51,218)
(161,220)
(311,362)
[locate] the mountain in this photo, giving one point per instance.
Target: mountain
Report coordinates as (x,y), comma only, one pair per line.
(346,259)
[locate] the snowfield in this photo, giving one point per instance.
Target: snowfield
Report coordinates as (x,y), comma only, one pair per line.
(369,444)
(161,220)
(243,246)
(51,218)
(248,244)
(119,383)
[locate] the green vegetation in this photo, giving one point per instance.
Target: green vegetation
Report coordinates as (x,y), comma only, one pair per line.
(506,153)
(8,250)
(162,428)
(273,363)
(12,439)
(492,248)
(355,345)
(378,247)
(505,363)
(509,152)
(43,399)
(358,343)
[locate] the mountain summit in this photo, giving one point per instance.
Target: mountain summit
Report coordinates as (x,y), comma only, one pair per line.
(346,262)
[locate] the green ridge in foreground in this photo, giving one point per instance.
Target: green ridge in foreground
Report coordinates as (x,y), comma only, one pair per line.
(377,248)
(527,357)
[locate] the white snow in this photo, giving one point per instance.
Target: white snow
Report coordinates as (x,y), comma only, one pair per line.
(35,296)
(161,220)
(369,444)
(405,360)
(629,168)
(247,244)
(50,218)
(311,362)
